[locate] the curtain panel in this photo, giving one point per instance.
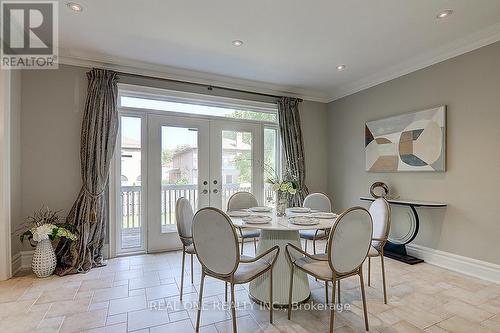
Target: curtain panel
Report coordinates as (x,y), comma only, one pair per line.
(89,214)
(293,147)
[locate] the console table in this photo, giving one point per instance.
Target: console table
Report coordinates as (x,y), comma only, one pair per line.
(396,249)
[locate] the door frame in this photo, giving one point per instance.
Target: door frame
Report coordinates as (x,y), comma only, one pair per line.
(115,170)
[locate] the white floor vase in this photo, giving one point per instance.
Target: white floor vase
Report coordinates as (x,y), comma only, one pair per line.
(44,259)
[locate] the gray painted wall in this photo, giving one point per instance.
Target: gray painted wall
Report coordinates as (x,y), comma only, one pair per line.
(470,86)
(52,104)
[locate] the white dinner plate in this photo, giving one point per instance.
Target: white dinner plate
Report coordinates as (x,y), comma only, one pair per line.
(324,215)
(303,220)
(257,219)
(300,210)
(261,209)
(238,213)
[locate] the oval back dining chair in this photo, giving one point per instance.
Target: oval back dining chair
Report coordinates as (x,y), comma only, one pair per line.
(216,246)
(184,220)
(239,201)
(380,211)
(319,202)
(348,245)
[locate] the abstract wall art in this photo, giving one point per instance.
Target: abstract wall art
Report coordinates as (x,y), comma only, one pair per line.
(408,142)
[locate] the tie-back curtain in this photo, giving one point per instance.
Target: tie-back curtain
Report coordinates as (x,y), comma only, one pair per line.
(291,138)
(89,212)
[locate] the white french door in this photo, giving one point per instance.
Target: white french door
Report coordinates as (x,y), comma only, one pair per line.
(203,160)
(178,151)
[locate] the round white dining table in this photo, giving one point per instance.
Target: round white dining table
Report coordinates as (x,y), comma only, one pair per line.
(280,232)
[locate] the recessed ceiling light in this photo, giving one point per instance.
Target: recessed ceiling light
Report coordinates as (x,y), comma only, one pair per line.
(74,6)
(237,42)
(341,67)
(444,14)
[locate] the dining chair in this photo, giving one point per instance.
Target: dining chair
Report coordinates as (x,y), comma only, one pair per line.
(184,218)
(319,202)
(216,246)
(348,245)
(380,210)
(239,201)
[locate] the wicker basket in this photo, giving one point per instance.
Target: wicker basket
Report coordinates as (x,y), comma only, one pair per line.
(44,259)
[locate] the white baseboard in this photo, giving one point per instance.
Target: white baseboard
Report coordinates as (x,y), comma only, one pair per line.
(21,261)
(473,267)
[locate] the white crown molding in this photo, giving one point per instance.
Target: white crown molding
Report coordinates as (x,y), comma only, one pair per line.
(81,59)
(463,45)
(465,265)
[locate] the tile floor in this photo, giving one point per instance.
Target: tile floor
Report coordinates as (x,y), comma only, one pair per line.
(141,294)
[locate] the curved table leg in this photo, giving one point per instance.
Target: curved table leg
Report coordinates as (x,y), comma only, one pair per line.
(259,288)
(398,251)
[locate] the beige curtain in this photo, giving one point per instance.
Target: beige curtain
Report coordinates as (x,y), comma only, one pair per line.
(293,146)
(89,212)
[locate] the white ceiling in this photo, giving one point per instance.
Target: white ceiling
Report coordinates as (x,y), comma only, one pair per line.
(290,46)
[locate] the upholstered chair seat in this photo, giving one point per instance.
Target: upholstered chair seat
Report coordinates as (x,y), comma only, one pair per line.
(247,270)
(313,234)
(250,233)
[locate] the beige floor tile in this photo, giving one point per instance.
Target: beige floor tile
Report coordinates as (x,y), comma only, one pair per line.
(467,311)
(457,324)
(116,319)
(56,295)
(96,284)
(162,291)
(184,326)
(146,318)
(65,308)
(244,324)
(83,321)
(107,294)
(117,328)
(406,327)
(127,304)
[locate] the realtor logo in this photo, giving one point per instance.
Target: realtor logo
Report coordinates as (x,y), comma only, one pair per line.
(29,35)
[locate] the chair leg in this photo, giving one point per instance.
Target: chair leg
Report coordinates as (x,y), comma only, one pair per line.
(383,276)
(326,292)
(200,300)
(332,306)
(182,271)
(305,246)
(242,243)
(363,296)
(225,297)
(192,277)
(233,308)
(290,294)
(255,245)
(314,245)
(271,295)
(338,291)
(369,270)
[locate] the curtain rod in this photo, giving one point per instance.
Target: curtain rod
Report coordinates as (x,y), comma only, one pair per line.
(209,87)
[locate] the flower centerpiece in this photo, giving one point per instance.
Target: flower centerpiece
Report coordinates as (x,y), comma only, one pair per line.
(284,188)
(40,229)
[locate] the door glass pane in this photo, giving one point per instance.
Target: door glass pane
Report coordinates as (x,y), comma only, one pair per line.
(131,186)
(270,163)
(179,171)
(236,163)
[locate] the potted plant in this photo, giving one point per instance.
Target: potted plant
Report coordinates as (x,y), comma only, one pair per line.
(284,188)
(40,230)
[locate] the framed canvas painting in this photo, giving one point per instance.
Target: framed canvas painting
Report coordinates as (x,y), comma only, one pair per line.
(408,142)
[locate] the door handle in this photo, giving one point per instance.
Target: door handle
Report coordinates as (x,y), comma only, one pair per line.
(215,190)
(205,191)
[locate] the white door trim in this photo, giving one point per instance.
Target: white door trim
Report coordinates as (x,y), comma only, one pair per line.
(5,218)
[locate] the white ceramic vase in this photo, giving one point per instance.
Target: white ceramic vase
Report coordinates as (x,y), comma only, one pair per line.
(44,259)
